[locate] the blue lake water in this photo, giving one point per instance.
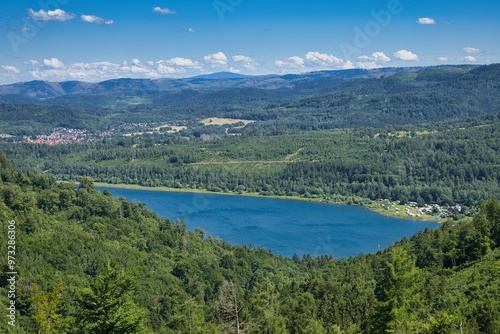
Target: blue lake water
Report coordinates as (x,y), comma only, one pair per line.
(282,226)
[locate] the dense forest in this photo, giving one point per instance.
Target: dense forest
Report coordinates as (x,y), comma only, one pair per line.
(444,163)
(88,263)
(285,104)
(85,262)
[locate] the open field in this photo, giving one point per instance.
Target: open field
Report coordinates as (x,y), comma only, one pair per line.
(224,121)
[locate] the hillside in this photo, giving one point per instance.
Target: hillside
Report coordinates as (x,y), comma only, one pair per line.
(217,81)
(444,163)
(279,104)
(88,263)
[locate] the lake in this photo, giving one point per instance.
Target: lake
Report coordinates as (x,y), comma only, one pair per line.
(282,226)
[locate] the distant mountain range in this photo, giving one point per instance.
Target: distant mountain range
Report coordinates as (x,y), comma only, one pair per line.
(278,103)
(217,81)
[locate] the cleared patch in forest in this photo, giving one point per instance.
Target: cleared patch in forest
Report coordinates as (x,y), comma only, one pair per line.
(224,121)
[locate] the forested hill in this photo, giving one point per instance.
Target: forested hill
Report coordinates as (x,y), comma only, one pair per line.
(279,104)
(444,163)
(88,263)
(204,83)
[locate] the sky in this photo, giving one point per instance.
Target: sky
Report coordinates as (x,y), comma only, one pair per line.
(89,40)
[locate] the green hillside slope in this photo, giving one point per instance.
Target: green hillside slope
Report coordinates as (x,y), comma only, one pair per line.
(88,263)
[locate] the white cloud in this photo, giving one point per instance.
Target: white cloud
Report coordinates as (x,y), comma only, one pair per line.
(163,11)
(183,62)
(191,30)
(53,62)
(234,70)
(315,60)
(406,55)
(470,59)
(348,65)
(51,15)
(367,65)
(163,69)
(31,62)
(426,20)
(136,61)
(470,50)
(323,59)
(138,69)
(216,59)
(11,69)
(246,62)
(290,62)
(95,19)
(380,57)
(442,59)
(376,57)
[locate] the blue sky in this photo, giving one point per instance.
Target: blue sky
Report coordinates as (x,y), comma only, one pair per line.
(90,40)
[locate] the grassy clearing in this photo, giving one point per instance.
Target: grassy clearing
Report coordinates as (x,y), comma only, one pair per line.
(224,121)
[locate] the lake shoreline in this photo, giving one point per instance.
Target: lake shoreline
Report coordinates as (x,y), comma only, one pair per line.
(372,206)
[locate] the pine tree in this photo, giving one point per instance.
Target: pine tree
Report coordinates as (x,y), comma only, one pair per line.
(46,311)
(399,298)
(108,306)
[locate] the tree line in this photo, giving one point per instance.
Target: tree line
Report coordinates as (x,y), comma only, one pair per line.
(90,263)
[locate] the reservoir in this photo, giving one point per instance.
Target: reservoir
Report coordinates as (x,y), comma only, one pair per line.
(283,226)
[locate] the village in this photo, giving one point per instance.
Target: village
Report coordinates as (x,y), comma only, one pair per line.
(434,212)
(60,136)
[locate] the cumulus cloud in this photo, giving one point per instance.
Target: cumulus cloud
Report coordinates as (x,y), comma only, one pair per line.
(314,60)
(51,15)
(380,57)
(470,59)
(470,50)
(405,55)
(183,62)
(95,19)
(376,57)
(323,59)
(191,30)
(290,62)
(246,62)
(426,20)
(234,70)
(164,11)
(138,69)
(216,59)
(10,69)
(442,59)
(165,70)
(374,61)
(53,62)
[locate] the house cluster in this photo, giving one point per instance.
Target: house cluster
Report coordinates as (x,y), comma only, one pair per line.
(413,210)
(62,136)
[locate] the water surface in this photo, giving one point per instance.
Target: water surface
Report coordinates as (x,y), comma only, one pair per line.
(282,226)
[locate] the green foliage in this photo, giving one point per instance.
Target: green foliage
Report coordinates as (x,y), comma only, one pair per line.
(166,279)
(46,307)
(443,164)
(399,294)
(107,306)
(291,103)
